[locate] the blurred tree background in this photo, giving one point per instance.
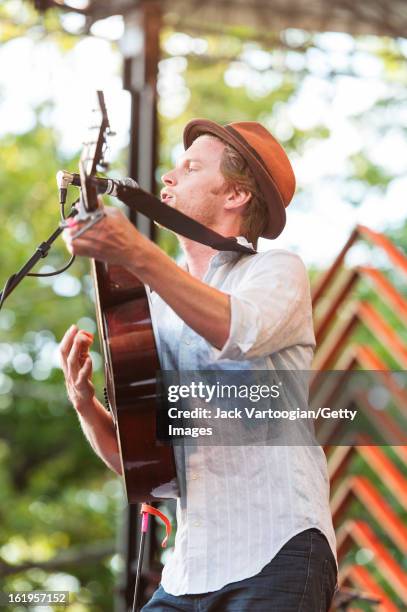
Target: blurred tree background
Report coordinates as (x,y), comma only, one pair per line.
(60,507)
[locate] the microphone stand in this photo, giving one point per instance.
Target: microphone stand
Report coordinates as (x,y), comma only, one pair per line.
(40,252)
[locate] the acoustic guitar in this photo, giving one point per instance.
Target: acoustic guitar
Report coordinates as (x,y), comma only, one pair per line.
(128,347)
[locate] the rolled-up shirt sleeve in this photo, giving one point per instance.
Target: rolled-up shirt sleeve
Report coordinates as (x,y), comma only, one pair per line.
(270,308)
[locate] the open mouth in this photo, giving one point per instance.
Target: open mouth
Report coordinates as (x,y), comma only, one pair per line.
(166,197)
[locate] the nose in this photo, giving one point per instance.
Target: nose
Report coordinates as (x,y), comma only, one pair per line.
(169,178)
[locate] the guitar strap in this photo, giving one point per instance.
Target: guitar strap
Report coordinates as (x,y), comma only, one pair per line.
(176,221)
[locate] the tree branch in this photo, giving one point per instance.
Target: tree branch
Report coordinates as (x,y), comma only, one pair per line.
(72,556)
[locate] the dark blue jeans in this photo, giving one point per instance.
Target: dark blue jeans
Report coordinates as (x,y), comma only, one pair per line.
(300,578)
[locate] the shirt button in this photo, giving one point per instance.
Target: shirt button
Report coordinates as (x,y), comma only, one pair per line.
(197,523)
(194,476)
(187,342)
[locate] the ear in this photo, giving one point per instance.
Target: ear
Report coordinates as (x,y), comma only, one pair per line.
(236,197)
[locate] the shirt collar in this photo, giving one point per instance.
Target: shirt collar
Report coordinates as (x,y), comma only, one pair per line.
(221,257)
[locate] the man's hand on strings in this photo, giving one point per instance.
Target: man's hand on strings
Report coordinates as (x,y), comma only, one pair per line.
(113,240)
(77,365)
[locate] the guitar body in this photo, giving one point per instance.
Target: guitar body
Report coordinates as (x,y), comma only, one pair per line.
(131,365)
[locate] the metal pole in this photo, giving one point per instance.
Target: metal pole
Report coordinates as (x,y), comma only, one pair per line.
(141,49)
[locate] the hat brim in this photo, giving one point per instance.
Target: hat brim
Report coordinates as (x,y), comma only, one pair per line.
(266,184)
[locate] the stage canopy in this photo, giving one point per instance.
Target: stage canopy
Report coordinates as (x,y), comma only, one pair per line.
(380,17)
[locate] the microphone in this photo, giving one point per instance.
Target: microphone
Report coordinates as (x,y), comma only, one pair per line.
(103,185)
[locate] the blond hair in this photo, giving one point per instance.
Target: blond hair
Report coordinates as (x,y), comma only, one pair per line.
(237,173)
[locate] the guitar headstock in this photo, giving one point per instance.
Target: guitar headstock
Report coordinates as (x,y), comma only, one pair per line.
(93,153)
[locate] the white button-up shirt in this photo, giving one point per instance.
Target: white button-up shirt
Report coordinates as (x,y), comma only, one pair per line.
(239,505)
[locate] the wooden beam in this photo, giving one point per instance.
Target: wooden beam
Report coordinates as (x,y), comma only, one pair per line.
(326,279)
(360,577)
(375,504)
(359,533)
(380,240)
(387,292)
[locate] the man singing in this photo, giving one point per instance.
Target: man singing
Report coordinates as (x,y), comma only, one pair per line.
(254,530)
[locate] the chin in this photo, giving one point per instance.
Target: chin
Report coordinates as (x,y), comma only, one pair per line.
(172,203)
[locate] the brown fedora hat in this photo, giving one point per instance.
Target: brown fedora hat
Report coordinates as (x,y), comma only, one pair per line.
(266,158)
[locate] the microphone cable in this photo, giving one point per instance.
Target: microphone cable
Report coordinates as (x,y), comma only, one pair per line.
(43,248)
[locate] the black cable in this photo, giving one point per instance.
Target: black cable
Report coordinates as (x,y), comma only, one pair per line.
(11,278)
(72,213)
(70,262)
(42,250)
(62,210)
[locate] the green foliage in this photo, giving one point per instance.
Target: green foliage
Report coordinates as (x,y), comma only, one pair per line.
(366,171)
(56,495)
(18,18)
